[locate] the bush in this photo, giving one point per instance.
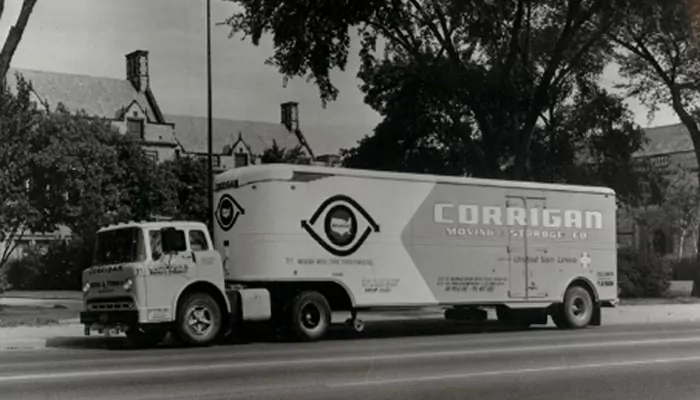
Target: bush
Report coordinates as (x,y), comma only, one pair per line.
(686,269)
(24,273)
(59,269)
(642,275)
(4,284)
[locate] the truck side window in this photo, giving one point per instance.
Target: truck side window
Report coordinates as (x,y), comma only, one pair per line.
(156,244)
(198,241)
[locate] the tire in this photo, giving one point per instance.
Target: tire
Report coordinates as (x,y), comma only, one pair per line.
(147,338)
(577,310)
(310,316)
(199,321)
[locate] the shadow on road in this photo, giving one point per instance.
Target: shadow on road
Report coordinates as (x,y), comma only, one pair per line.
(338,332)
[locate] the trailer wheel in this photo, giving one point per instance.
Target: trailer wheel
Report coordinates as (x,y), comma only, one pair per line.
(310,316)
(577,309)
(199,319)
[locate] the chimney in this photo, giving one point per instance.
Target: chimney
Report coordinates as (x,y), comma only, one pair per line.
(290,116)
(137,69)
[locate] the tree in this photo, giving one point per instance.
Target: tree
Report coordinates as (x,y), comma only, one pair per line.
(15,35)
(62,168)
(19,118)
(660,55)
(589,140)
(277,154)
(186,179)
(509,61)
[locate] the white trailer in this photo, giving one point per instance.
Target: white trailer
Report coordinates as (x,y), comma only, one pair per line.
(298,242)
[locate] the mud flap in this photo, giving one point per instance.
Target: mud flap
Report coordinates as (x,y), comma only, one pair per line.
(234,319)
(596,319)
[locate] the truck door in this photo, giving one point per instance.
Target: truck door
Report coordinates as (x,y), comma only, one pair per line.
(526,275)
(167,274)
(205,257)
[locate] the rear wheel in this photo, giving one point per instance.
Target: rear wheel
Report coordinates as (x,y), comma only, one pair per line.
(310,316)
(576,311)
(199,320)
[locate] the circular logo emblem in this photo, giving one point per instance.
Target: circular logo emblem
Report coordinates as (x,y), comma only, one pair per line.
(340,225)
(227,212)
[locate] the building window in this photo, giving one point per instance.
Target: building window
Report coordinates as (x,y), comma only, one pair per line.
(660,243)
(241,160)
(134,127)
(152,154)
(215,159)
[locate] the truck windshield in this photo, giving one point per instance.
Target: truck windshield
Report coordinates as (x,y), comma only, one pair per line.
(119,246)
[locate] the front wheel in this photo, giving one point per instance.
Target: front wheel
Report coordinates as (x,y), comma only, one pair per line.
(310,316)
(199,320)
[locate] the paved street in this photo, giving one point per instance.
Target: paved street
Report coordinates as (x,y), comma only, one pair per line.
(416,361)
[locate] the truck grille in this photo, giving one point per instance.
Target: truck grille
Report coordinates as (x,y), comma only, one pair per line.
(113,304)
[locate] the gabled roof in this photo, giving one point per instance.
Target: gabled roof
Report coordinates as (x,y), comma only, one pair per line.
(98,96)
(666,140)
(191,132)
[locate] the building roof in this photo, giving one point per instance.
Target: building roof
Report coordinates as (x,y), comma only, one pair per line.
(665,140)
(191,132)
(98,96)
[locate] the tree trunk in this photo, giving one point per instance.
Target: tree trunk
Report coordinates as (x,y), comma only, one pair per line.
(681,243)
(14,37)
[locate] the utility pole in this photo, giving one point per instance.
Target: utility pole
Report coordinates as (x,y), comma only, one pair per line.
(210,166)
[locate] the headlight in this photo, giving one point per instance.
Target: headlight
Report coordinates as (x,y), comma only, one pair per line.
(128,284)
(86,287)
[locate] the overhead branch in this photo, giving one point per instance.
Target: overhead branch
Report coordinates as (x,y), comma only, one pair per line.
(14,36)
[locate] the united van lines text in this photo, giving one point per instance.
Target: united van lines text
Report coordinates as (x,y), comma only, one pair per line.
(467,214)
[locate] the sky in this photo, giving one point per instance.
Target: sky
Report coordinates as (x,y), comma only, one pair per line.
(91,37)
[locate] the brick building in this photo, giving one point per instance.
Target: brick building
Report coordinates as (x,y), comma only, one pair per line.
(668,145)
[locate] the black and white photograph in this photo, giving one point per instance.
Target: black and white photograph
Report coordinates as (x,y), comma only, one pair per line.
(349,199)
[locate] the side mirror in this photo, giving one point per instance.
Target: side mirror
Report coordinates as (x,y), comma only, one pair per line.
(173,240)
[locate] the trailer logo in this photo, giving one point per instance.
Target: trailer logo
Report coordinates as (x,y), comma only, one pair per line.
(228,211)
(342,233)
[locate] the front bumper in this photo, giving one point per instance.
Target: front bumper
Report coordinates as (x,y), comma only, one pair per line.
(106,318)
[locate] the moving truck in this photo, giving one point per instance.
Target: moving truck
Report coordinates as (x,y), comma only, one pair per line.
(292,244)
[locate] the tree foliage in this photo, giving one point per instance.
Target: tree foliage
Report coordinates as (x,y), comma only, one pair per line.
(498,66)
(660,56)
(63,168)
(277,154)
(186,183)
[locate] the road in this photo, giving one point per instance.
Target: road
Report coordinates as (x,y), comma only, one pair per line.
(413,361)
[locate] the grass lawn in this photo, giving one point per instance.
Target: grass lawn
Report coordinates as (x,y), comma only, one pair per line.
(45,295)
(32,315)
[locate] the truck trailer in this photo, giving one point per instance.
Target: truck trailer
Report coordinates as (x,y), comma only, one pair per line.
(294,243)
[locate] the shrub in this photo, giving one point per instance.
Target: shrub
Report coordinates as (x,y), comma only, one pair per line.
(25,273)
(686,269)
(59,269)
(642,275)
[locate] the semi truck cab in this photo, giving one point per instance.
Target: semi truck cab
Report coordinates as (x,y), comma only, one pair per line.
(149,278)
